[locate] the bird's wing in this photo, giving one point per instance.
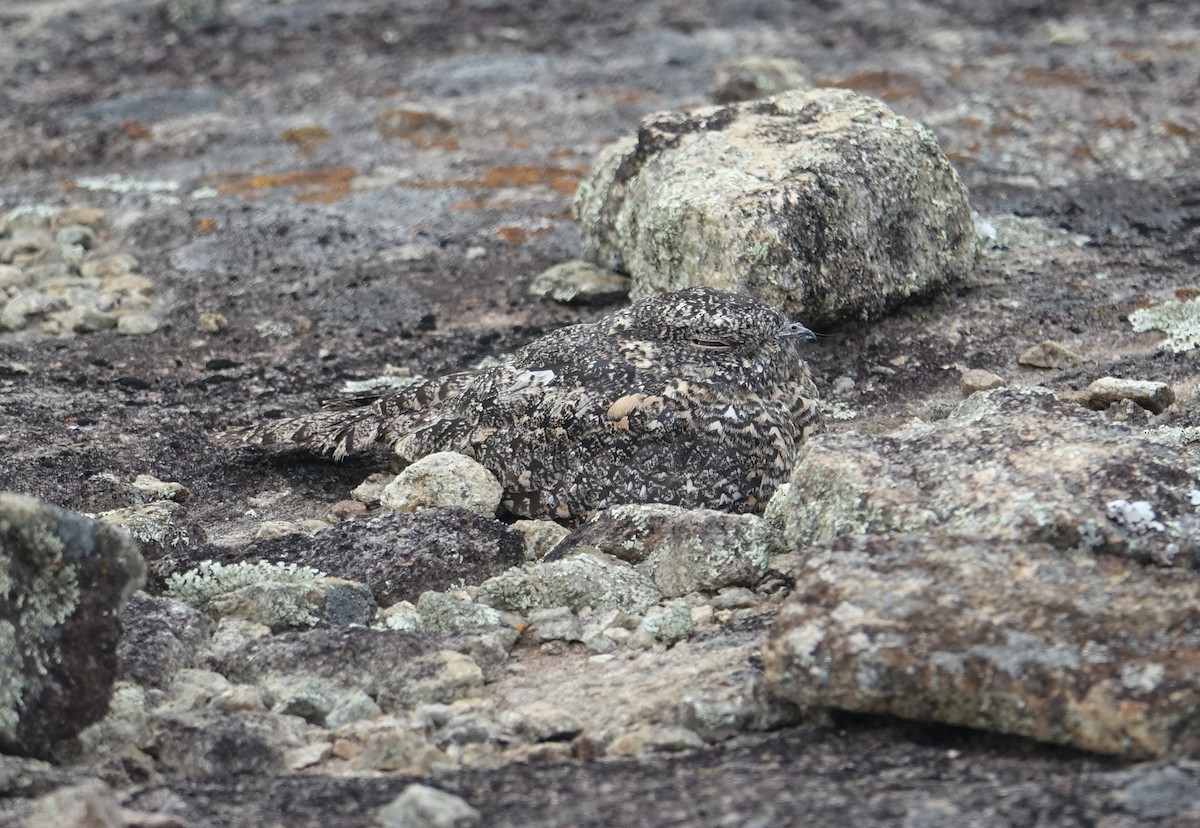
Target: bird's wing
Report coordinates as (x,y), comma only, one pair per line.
(355,424)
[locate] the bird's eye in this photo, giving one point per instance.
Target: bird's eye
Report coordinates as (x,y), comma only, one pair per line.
(709,344)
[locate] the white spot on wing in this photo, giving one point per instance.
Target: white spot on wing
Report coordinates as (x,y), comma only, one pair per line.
(527,380)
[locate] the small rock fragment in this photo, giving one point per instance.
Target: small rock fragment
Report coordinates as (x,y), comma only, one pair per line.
(670,624)
(212,322)
(446,611)
(444,479)
(421,806)
(370,490)
(541,721)
(579,282)
(137,324)
(1050,354)
(87,805)
(654,739)
(348,509)
(541,536)
(743,80)
(977,379)
(555,624)
(1155,397)
(587,579)
(683,550)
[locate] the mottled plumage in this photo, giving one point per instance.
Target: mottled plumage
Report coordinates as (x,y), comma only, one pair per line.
(696,398)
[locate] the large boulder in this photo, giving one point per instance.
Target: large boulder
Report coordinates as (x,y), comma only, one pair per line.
(824,203)
(64,579)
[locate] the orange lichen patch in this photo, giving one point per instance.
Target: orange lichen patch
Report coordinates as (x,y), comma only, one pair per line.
(206,225)
(1176,129)
(511,234)
(307,138)
(1123,122)
(136,130)
(562,180)
(419,127)
(481,203)
(1059,76)
(517,236)
(888,85)
(315,186)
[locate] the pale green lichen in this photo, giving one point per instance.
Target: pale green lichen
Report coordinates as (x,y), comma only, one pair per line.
(210,579)
(11,683)
(1176,436)
(1180,321)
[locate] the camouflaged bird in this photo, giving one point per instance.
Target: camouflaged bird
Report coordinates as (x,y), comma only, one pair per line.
(696,398)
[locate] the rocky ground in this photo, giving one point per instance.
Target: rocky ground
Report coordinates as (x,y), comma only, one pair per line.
(979,615)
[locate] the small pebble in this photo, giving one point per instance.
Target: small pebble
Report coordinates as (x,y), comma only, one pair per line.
(577,281)
(137,324)
(1155,397)
(842,384)
(213,322)
(734,598)
(977,379)
(347,509)
(421,806)
(1049,354)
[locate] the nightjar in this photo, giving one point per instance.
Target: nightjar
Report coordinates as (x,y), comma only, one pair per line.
(696,398)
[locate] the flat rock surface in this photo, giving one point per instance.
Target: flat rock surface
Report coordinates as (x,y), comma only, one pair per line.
(212,224)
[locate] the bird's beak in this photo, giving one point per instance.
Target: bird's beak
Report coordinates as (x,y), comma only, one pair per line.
(796,329)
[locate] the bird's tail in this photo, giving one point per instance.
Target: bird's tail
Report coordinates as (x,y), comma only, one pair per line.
(353,425)
(334,432)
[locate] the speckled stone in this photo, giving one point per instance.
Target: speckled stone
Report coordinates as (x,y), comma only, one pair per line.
(1097,652)
(64,579)
(1013,464)
(824,203)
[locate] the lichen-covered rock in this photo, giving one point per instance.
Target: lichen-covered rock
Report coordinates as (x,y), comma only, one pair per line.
(281,596)
(1097,652)
(682,550)
(162,636)
(421,806)
(64,579)
(396,668)
(668,624)
(208,743)
(586,579)
(1179,320)
(444,478)
(824,203)
(398,556)
(1009,464)
(446,612)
